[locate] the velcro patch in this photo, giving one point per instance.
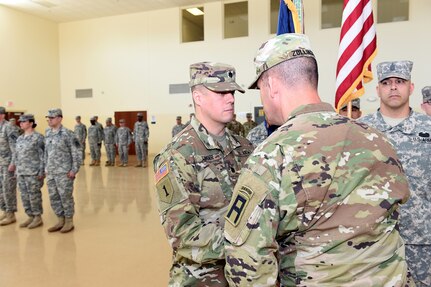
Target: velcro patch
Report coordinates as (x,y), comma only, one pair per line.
(238,204)
(165,190)
(161,172)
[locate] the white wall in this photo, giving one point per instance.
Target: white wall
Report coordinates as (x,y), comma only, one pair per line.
(29,64)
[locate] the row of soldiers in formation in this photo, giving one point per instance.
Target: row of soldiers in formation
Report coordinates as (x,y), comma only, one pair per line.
(27,158)
(112,136)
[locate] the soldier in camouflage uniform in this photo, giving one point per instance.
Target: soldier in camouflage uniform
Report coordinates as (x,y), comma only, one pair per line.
(109,133)
(426,104)
(259,133)
(356,112)
(14,126)
(81,133)
(141,133)
(190,118)
(410,133)
(123,139)
(178,127)
(195,175)
(249,124)
(8,138)
(62,163)
(100,126)
(95,137)
(30,170)
(236,127)
(317,202)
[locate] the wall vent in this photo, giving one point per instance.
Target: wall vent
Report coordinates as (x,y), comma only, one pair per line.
(84,93)
(179,89)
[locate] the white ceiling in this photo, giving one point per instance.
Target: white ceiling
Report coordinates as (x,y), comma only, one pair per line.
(73,10)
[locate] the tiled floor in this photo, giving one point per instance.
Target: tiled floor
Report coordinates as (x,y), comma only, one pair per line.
(117,241)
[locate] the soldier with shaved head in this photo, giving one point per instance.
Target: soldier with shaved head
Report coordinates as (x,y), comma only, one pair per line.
(317,203)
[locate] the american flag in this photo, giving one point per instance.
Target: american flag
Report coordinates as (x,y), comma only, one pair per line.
(358,47)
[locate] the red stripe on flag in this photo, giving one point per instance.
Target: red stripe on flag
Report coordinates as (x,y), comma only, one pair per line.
(358,47)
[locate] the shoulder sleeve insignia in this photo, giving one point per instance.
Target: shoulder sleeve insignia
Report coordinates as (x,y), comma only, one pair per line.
(238,205)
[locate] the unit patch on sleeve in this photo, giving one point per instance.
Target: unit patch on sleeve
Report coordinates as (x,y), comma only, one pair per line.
(238,205)
(165,190)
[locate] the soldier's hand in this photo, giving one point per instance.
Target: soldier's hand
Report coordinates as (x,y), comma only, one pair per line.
(71,175)
(11,168)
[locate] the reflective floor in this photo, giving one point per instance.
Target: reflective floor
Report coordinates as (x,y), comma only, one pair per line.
(117,241)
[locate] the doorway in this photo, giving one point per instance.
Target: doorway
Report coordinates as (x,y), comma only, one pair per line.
(130,118)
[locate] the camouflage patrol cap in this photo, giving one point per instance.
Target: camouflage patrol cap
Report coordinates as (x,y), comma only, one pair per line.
(396,69)
(140,114)
(279,49)
(121,121)
(108,120)
(216,77)
(26,117)
(179,118)
(355,103)
(93,118)
(12,120)
(77,117)
(54,113)
(2,111)
(248,115)
(426,93)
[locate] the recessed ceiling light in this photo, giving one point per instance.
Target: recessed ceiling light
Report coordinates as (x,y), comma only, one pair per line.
(195,11)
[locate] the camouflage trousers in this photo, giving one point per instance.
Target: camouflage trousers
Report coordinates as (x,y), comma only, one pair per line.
(123,151)
(94,151)
(110,152)
(31,196)
(141,150)
(7,190)
(419,261)
(83,151)
(60,189)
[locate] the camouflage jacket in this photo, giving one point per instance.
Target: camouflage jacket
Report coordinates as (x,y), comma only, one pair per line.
(412,140)
(258,134)
(30,154)
(123,136)
(248,126)
(236,128)
(194,181)
(95,134)
(81,132)
(8,138)
(177,128)
(62,151)
(109,133)
(317,205)
(141,132)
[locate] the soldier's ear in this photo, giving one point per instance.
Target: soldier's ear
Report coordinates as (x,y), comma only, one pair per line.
(197,97)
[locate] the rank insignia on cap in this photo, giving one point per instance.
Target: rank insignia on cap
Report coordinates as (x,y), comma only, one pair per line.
(162,172)
(238,204)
